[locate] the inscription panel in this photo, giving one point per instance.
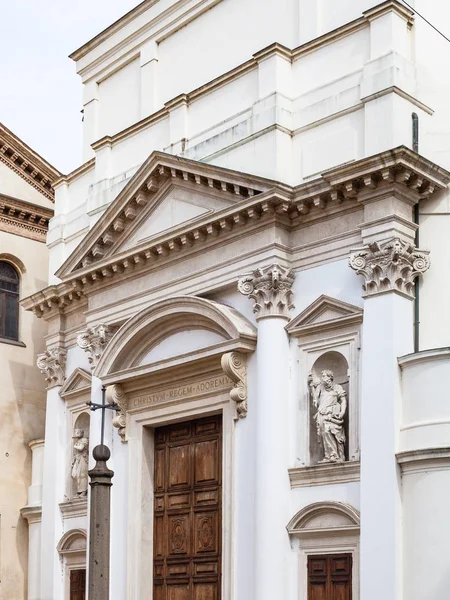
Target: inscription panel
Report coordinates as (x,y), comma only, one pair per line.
(211,385)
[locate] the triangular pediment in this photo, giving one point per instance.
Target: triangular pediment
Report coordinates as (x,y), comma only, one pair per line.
(323,313)
(79,382)
(166,194)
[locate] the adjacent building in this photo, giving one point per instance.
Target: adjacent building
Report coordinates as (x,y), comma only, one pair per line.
(26,206)
(253,260)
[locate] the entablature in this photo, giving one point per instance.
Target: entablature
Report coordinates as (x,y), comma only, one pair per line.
(258,203)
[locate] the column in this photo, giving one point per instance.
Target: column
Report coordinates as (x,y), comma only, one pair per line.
(389,270)
(270,289)
(33,513)
(52,365)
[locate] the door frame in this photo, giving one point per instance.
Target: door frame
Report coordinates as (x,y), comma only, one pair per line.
(141,489)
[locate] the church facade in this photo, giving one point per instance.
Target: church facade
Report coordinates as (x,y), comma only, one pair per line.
(251,261)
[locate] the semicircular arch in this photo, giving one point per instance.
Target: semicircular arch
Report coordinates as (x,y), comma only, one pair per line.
(74,540)
(324,516)
(168,317)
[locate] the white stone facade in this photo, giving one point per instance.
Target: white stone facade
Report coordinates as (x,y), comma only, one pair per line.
(244,167)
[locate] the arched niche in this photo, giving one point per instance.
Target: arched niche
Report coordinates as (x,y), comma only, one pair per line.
(325,528)
(337,363)
(82,422)
(223,330)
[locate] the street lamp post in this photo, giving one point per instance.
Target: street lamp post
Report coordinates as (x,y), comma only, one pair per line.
(99,531)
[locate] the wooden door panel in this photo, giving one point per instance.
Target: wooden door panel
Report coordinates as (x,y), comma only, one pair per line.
(78,584)
(187,507)
(330,577)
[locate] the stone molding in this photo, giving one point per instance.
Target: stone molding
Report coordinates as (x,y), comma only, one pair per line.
(270,288)
(24,219)
(52,365)
(339,518)
(116,395)
(32,513)
(390,266)
(424,460)
(424,356)
(94,340)
(74,508)
(96,262)
(77,384)
(234,364)
(73,541)
(325,314)
(325,474)
(26,163)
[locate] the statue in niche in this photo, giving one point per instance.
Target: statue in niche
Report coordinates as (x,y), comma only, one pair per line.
(330,400)
(80,463)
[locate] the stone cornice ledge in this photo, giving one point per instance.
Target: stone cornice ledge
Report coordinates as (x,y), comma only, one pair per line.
(424,356)
(74,508)
(326,474)
(424,460)
(32,513)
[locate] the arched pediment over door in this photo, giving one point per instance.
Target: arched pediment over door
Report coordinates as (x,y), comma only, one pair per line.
(197,343)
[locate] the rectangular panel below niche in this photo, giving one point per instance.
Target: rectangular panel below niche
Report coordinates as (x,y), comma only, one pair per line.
(325,474)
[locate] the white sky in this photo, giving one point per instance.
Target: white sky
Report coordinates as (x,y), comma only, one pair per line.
(40,92)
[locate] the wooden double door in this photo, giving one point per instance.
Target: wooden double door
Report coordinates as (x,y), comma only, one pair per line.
(188,510)
(330,577)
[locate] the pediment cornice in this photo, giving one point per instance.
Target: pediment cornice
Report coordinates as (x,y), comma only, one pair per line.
(323,314)
(27,163)
(397,171)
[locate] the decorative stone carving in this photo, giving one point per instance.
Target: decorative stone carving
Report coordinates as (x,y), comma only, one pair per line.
(270,288)
(52,364)
(116,395)
(390,266)
(80,462)
(94,340)
(234,365)
(331,403)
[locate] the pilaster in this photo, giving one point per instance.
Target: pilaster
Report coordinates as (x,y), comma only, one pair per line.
(270,289)
(149,78)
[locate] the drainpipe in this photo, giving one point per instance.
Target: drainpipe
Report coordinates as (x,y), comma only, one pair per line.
(415,145)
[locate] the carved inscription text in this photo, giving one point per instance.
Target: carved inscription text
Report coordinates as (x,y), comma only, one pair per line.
(212,385)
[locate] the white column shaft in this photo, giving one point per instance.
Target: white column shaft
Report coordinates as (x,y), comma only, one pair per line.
(387,334)
(272,481)
(52,495)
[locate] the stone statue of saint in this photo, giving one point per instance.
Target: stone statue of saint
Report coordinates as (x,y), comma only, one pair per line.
(331,403)
(80,462)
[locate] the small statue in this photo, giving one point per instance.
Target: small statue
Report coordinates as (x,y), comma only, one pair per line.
(331,403)
(80,462)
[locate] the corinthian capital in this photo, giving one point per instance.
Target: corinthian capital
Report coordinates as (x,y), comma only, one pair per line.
(270,288)
(94,340)
(52,364)
(390,266)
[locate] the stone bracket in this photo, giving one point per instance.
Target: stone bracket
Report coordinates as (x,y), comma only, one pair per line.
(234,365)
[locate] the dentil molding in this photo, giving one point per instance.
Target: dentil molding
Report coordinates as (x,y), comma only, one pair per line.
(52,365)
(116,395)
(234,364)
(94,340)
(270,288)
(391,266)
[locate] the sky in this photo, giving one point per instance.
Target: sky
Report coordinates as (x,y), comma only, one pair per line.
(40,92)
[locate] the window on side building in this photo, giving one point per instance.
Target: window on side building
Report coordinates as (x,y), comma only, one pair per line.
(9,302)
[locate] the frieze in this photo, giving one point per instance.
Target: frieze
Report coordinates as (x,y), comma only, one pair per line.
(182,392)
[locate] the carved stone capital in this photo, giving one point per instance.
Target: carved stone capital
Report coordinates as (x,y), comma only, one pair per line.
(52,364)
(270,288)
(391,266)
(94,340)
(234,365)
(115,394)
